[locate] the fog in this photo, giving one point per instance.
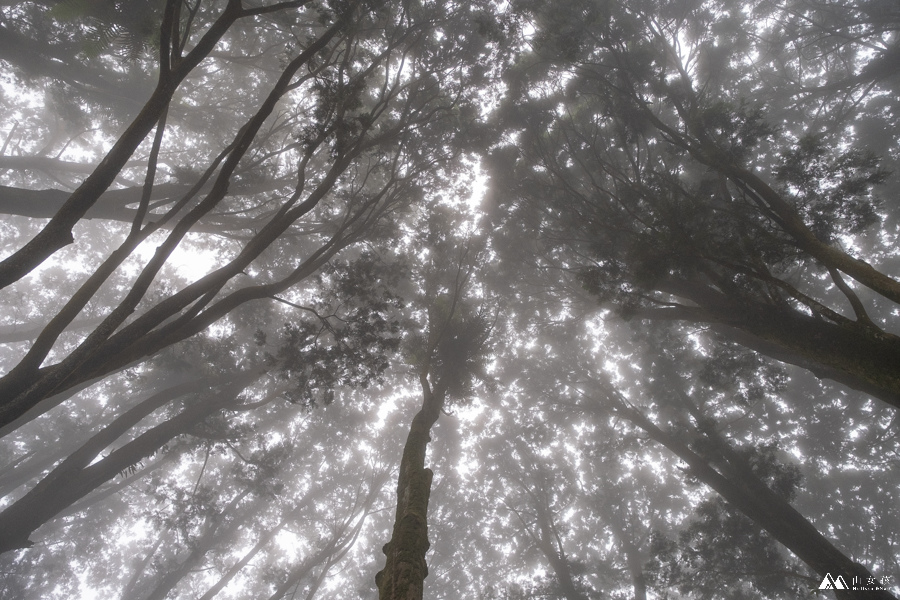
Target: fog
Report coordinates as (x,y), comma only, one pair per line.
(488,300)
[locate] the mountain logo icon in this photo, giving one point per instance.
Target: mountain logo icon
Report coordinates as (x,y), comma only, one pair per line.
(832,583)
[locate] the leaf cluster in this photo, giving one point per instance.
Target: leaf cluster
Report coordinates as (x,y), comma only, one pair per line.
(348,339)
(127,28)
(833,191)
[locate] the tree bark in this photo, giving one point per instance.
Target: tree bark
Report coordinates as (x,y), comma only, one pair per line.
(405,570)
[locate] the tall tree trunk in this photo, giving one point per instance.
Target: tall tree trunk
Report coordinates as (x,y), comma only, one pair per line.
(747,493)
(634,558)
(405,570)
(330,554)
(551,545)
(543,530)
(639,580)
(265,538)
(140,567)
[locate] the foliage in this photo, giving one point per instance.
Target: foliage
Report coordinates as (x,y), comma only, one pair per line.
(129,27)
(349,341)
(639,259)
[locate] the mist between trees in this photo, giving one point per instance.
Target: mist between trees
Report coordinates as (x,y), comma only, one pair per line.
(432,299)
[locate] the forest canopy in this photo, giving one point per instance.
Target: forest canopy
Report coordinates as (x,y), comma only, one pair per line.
(494,300)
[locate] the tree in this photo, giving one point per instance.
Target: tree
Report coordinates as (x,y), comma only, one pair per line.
(705,559)
(536,516)
(448,357)
(656,166)
(366,135)
(629,269)
(749,479)
(357,300)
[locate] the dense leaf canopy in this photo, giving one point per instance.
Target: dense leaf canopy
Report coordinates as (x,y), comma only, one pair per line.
(499,300)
